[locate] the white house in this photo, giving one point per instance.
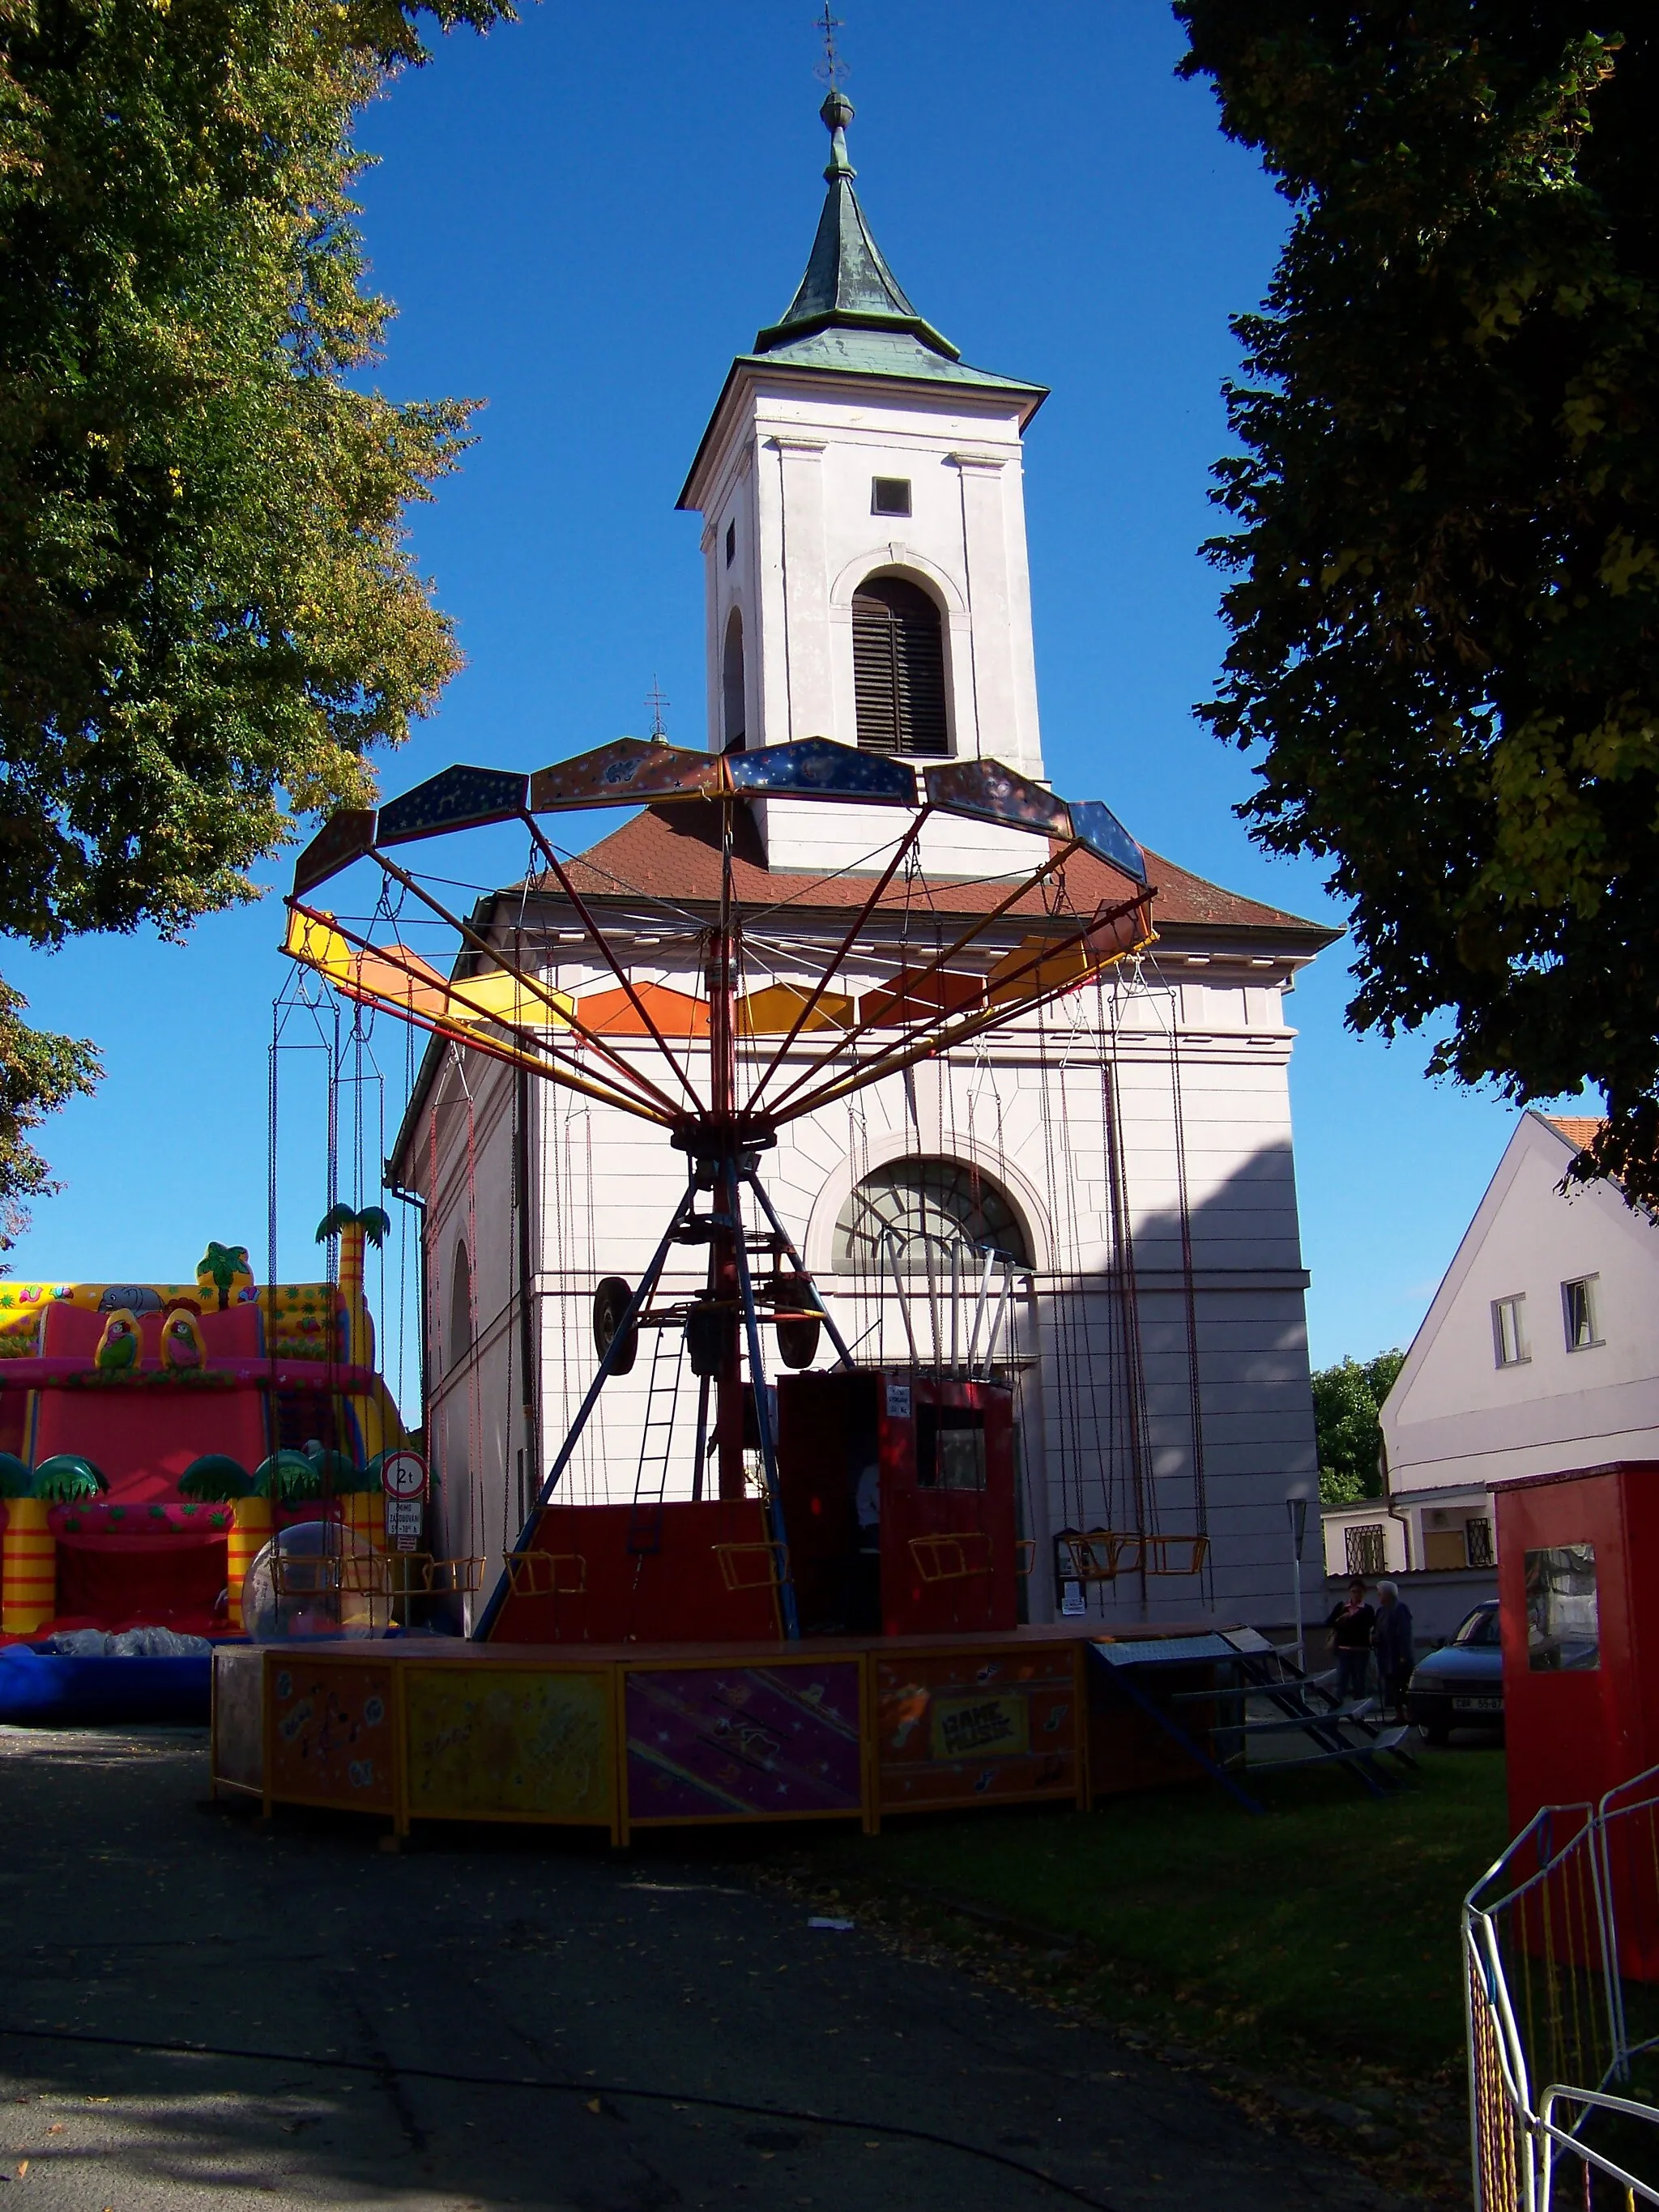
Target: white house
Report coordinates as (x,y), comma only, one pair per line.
(1539,1352)
(1128,1150)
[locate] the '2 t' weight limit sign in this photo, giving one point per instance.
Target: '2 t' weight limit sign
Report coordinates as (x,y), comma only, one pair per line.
(403,1479)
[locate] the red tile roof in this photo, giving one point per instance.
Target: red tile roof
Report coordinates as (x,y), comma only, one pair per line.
(1580,1130)
(673,853)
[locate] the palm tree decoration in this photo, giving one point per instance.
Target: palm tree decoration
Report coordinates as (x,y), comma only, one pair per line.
(355,1232)
(215,1479)
(220,1268)
(66,1479)
(15,1481)
(287,1477)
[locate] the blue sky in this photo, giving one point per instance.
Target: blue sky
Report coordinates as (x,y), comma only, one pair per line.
(581,218)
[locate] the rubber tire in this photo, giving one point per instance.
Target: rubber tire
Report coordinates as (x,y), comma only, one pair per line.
(797,1342)
(1438,1733)
(705,1340)
(611,1302)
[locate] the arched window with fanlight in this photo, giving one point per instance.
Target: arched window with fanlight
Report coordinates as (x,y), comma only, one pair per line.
(460,1305)
(911,1207)
(734,717)
(898,668)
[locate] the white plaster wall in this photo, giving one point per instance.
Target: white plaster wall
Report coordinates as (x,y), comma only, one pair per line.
(791,467)
(1030,1110)
(1454,1417)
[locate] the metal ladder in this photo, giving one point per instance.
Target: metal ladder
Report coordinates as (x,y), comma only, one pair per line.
(656,1443)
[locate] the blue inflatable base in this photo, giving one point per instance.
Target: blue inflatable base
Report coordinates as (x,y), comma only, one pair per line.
(41,1688)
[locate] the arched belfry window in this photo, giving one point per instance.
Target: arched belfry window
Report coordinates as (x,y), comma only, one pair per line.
(460,1306)
(913,1206)
(733,720)
(898,668)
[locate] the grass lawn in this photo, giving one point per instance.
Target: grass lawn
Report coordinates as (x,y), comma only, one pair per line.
(1320,1939)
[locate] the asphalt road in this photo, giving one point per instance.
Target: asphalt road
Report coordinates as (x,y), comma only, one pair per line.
(412,2014)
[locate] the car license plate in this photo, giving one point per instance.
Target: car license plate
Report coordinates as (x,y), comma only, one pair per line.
(1478,1705)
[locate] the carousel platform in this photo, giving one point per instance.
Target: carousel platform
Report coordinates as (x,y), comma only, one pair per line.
(621,1737)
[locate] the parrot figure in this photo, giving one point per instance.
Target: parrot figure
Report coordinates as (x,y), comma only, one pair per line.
(117,1347)
(181,1340)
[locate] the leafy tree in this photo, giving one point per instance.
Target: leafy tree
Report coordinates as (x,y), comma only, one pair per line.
(208,613)
(1445,603)
(38,1073)
(1347,1400)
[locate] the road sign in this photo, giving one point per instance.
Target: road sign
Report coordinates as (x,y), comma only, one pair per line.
(403,1474)
(404,1516)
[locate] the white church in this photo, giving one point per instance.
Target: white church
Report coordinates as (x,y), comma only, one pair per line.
(1125,1153)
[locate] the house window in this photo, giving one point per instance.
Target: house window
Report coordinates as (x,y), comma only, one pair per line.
(1578,1313)
(889,495)
(1509,1335)
(731,543)
(1477,1537)
(899,669)
(1366,1553)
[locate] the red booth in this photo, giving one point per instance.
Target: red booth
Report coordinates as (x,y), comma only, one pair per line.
(1576,1553)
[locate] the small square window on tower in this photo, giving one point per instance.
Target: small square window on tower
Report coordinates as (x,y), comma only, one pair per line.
(731,543)
(889,495)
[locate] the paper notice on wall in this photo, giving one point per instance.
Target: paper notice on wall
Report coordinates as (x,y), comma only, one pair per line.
(898,1401)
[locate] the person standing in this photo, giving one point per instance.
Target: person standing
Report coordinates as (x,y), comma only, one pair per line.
(1391,1638)
(1350,1625)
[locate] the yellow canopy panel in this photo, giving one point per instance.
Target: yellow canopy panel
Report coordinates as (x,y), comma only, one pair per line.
(775,1011)
(1006,985)
(398,978)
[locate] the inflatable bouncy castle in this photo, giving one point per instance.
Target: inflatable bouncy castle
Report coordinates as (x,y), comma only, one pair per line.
(154,1435)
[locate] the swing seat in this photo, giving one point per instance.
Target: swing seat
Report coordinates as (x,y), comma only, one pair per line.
(737,1560)
(545,1574)
(418,1574)
(951,1558)
(1176,1555)
(1099,1555)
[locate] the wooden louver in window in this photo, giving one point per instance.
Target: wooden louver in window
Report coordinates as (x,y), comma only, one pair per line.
(899,669)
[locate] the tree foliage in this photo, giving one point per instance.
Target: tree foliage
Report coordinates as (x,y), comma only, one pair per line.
(38,1072)
(1445,603)
(1347,1401)
(209,614)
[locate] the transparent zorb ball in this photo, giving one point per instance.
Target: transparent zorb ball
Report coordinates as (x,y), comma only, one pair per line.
(317,1579)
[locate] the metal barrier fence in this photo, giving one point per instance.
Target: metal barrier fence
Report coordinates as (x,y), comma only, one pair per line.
(1550,1935)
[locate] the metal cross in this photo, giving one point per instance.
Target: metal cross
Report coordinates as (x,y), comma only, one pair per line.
(832,68)
(655,699)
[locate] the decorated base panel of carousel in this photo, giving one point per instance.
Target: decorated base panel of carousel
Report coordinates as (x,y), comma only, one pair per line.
(627,1736)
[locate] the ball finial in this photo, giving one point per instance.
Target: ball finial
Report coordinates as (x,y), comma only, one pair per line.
(837,114)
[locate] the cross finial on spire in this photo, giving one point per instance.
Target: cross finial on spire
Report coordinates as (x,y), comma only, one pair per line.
(832,68)
(656,700)
(837,109)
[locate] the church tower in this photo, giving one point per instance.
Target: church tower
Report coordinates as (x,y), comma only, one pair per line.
(863,545)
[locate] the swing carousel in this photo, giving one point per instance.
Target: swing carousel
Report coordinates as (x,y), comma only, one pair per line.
(856,1519)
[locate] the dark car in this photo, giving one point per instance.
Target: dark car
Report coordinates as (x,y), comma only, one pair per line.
(1462,1684)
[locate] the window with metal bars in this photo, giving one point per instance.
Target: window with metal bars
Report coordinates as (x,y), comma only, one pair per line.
(1365,1548)
(899,669)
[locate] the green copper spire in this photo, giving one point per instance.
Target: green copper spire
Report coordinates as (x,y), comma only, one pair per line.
(847,285)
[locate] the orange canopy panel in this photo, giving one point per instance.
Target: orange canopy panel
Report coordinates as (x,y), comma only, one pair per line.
(613,1014)
(920,997)
(775,1011)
